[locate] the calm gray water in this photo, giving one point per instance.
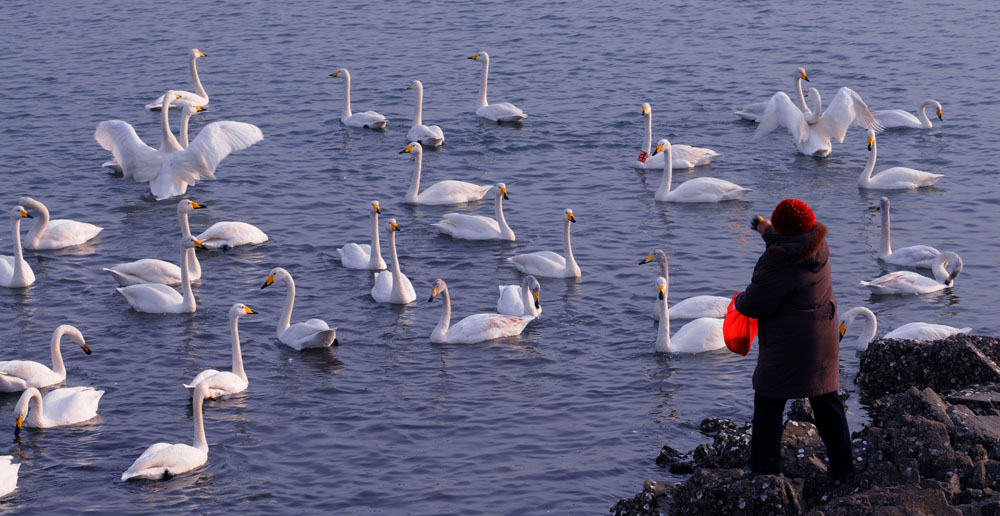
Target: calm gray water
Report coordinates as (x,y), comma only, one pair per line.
(564,420)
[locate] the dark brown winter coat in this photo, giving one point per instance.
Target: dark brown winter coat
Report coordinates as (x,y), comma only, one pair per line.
(791,296)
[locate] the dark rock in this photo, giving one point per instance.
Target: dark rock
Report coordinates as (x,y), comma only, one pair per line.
(653,500)
(914,402)
(890,501)
(729,491)
(801,409)
(712,426)
(983,400)
(974,429)
(678,463)
(730,446)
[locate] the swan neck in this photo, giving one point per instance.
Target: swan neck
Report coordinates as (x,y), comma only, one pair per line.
(528,299)
(397,274)
(375,260)
(802,97)
(866,174)
(199,425)
(36,409)
(347,95)
(198,88)
(411,194)
(185,120)
(871,326)
(441,330)
(663,330)
(668,173)
(885,245)
(568,247)
(18,252)
(647,141)
(418,112)
(925,120)
(505,230)
(190,256)
(54,347)
(482,83)
(286,313)
(167,141)
(234,330)
(38,229)
(188,301)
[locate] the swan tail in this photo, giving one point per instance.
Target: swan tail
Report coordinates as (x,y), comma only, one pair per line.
(964,330)
(167,184)
(122,280)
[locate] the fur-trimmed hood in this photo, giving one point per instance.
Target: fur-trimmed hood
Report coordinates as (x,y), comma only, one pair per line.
(799,249)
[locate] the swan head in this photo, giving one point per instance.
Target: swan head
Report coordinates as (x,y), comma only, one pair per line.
(392,225)
(375,207)
(943,262)
(276,273)
(190,109)
(191,243)
(481,56)
(74,334)
(569,215)
(437,288)
(663,144)
(18,213)
(195,53)
(661,287)
(502,191)
(413,147)
(416,85)
(658,256)
(813,92)
(201,392)
(800,73)
(883,204)
(871,139)
(187,206)
(21,409)
(646,110)
(239,310)
(938,106)
(536,289)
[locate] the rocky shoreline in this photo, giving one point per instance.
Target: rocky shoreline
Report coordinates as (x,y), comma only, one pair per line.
(933,446)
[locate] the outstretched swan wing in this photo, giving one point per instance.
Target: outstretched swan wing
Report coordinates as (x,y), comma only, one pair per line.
(213,143)
(137,160)
(847,109)
(781,111)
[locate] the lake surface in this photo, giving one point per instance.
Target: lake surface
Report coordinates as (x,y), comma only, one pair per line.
(565,419)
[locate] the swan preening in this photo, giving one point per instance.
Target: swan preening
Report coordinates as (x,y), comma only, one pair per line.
(14,271)
(911,331)
(691,308)
(222,383)
(908,282)
(895,178)
(520,299)
(55,233)
(429,135)
(702,334)
(8,474)
(548,264)
(499,111)
(59,407)
(365,119)
(392,286)
(198,98)
(18,375)
(684,156)
(474,328)
(153,270)
(162,461)
(896,118)
(442,192)
(754,111)
(912,256)
(364,256)
(157,298)
(478,227)
(699,189)
(314,333)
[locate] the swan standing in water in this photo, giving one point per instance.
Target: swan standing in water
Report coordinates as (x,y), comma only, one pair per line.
(198,98)
(847,109)
(897,118)
(548,264)
(478,227)
(365,119)
(754,111)
(186,113)
(8,474)
(699,189)
(895,178)
(911,331)
(521,299)
(314,333)
(392,286)
(364,256)
(684,156)
(691,308)
(152,270)
(222,383)
(429,135)
(14,271)
(703,334)
(908,282)
(913,256)
(474,328)
(157,298)
(18,375)
(497,112)
(59,407)
(162,461)
(55,233)
(442,192)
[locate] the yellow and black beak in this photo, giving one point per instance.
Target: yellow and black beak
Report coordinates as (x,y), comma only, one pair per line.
(806,94)
(843,330)
(334,74)
(534,294)
(268,282)
(394,226)
(645,110)
(17,426)
(871,141)
(647,259)
(570,217)
(26,215)
(804,77)
(939,115)
(434,293)
(660,291)
(196,205)
(248,310)
(474,57)
(85,348)
(198,109)
(503,192)
(197,243)
(407,149)
(177,96)
(201,54)
(410,87)
(376,208)
(659,149)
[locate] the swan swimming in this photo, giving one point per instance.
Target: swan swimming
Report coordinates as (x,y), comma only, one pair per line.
(198,98)
(8,474)
(364,119)
(693,307)
(157,298)
(754,111)
(55,233)
(364,256)
(429,135)
(699,189)
(497,112)
(392,286)
(18,375)
(911,331)
(223,383)
(14,271)
(912,256)
(895,178)
(474,328)
(548,264)
(314,333)
(703,334)
(847,109)
(442,192)
(59,407)
(162,461)
(521,299)
(478,227)
(684,156)
(908,282)
(152,270)
(898,118)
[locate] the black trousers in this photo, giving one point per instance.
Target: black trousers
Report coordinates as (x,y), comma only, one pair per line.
(831,421)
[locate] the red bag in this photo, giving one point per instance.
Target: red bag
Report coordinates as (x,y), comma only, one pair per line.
(738,330)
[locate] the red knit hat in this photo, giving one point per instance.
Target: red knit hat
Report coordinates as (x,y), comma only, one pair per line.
(792,217)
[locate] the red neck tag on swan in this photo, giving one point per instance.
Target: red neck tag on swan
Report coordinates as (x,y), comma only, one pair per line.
(642,156)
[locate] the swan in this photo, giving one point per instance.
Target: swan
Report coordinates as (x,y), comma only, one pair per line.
(896,118)
(14,271)
(18,375)
(497,112)
(364,256)
(152,270)
(699,189)
(847,109)
(8,474)
(365,119)
(684,156)
(198,98)
(442,192)
(895,178)
(393,286)
(520,299)
(474,328)
(59,407)
(162,461)
(157,298)
(913,256)
(703,334)
(222,383)
(911,331)
(230,233)
(56,233)
(313,333)
(691,308)
(172,168)
(754,111)
(479,227)
(548,264)
(186,113)
(812,115)
(908,282)
(429,135)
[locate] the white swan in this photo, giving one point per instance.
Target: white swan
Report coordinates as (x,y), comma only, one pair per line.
(59,407)
(230,233)
(429,135)
(479,227)
(812,115)
(754,111)
(895,178)
(442,192)
(152,270)
(520,299)
(847,109)
(162,461)
(684,156)
(497,112)
(157,298)
(18,375)
(911,331)
(704,334)
(222,383)
(364,256)
(198,98)
(548,264)
(691,308)
(392,286)
(14,271)
(867,334)
(699,189)
(365,119)
(908,282)
(474,328)
(55,233)
(314,333)
(8,474)
(895,118)
(172,168)
(913,256)
(186,113)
